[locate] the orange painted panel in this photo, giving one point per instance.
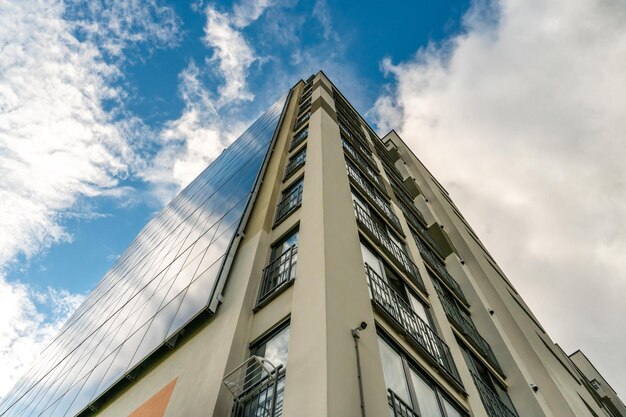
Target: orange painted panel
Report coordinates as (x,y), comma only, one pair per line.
(155,406)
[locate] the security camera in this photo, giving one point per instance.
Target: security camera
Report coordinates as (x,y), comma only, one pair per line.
(355,332)
(534,387)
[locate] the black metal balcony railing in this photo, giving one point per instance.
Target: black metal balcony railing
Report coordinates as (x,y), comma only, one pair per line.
(373,194)
(299,138)
(258,388)
(401,312)
(290,201)
(493,404)
(398,407)
(295,163)
(441,271)
(278,272)
(304,105)
(423,232)
(302,120)
(351,134)
(466,327)
(381,237)
(360,150)
(365,166)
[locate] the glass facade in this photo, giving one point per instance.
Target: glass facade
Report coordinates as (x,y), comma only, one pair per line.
(170,273)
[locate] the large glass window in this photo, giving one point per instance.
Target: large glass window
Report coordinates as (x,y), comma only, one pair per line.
(494,396)
(282,266)
(290,200)
(393,370)
(412,387)
(274,349)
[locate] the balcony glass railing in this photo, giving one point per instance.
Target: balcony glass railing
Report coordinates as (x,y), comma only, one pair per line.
(278,273)
(493,404)
(380,236)
(401,312)
(397,406)
(431,259)
(466,327)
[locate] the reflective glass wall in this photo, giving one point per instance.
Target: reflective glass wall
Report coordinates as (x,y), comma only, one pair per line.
(165,278)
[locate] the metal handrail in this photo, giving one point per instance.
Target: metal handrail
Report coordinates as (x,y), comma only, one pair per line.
(299,138)
(382,238)
(403,314)
(289,203)
(254,386)
(364,164)
(278,272)
(398,406)
(373,194)
(441,271)
(295,163)
(467,328)
(492,403)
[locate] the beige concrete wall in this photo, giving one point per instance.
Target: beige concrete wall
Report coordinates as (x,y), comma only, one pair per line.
(513,335)
(329,297)
(201,359)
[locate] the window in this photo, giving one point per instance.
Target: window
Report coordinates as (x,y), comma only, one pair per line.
(290,200)
(282,266)
(393,280)
(299,138)
(295,162)
(385,237)
(493,395)
(406,382)
(274,349)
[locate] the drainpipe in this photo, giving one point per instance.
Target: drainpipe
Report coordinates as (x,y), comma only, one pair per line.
(356,336)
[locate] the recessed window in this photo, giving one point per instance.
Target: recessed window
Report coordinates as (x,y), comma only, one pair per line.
(295,163)
(265,384)
(281,268)
(290,200)
(410,392)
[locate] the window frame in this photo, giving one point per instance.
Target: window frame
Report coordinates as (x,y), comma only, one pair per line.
(409,365)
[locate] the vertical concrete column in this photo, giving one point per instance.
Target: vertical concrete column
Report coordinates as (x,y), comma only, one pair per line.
(330,293)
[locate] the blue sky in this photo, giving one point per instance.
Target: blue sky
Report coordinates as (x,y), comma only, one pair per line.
(108,108)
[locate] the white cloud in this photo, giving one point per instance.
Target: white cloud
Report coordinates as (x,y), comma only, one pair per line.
(522,117)
(191,141)
(26,328)
(210,120)
(58,141)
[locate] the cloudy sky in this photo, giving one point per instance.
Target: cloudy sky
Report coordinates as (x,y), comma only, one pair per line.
(108,107)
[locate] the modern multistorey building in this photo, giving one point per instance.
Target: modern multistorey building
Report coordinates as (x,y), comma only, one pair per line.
(313,269)
(591,376)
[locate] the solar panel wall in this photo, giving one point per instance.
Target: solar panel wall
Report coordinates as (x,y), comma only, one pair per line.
(167,276)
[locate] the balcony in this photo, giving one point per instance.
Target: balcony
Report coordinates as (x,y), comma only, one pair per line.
(373,195)
(397,406)
(493,404)
(433,261)
(401,314)
(365,165)
(289,203)
(295,163)
(380,236)
(277,274)
(466,327)
(257,387)
(299,138)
